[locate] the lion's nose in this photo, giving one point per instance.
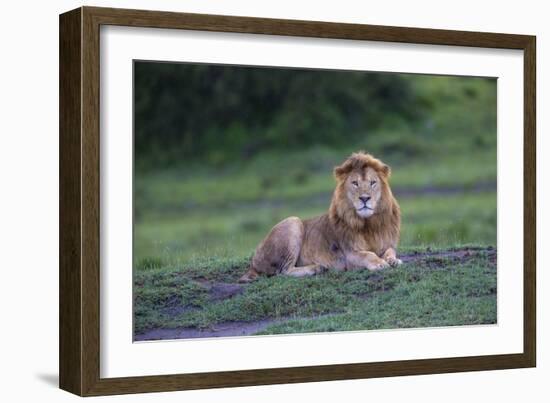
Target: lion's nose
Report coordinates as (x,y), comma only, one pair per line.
(364,199)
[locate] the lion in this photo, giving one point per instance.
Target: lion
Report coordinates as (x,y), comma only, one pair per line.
(360,230)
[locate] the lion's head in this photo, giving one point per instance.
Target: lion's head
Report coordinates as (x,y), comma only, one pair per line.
(362,190)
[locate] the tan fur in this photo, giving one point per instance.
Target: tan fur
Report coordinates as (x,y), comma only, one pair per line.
(360,230)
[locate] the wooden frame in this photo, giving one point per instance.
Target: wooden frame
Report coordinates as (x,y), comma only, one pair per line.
(80,184)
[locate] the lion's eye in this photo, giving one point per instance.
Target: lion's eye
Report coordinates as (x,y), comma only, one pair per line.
(355,183)
(372,183)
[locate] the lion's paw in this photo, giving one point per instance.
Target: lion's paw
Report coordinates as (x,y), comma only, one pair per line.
(382,264)
(394,262)
(320,270)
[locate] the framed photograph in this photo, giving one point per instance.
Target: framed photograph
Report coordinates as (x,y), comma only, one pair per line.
(249,201)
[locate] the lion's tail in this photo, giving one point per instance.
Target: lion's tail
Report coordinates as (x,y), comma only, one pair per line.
(249,276)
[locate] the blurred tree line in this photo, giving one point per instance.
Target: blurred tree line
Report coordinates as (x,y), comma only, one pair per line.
(225,112)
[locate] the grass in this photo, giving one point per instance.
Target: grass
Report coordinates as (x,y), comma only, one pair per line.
(427,221)
(179,216)
(428,292)
(292,177)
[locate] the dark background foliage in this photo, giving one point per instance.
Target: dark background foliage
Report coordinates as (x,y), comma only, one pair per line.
(187,110)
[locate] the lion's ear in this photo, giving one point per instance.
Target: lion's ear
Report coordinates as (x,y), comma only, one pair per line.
(341,171)
(386,170)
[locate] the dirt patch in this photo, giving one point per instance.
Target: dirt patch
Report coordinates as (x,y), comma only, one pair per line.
(436,259)
(220,291)
(178,309)
(224,329)
(216,292)
(173,306)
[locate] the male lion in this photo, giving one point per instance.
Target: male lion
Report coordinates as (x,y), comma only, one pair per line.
(360,230)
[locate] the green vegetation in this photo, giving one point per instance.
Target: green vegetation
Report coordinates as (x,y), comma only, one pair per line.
(209,215)
(218,165)
(428,291)
(409,297)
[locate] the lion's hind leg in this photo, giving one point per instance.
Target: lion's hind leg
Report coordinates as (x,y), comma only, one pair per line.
(279,251)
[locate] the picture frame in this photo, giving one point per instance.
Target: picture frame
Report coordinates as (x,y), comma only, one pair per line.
(79,277)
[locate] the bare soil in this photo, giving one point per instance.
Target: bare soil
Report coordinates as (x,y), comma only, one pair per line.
(224,329)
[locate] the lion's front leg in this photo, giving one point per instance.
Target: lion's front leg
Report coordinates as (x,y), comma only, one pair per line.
(304,271)
(360,260)
(390,256)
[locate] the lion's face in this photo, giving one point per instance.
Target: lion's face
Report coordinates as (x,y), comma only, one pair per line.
(363,191)
(362,188)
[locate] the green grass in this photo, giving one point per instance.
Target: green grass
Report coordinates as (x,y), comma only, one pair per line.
(429,292)
(183,216)
(443,220)
(281,179)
